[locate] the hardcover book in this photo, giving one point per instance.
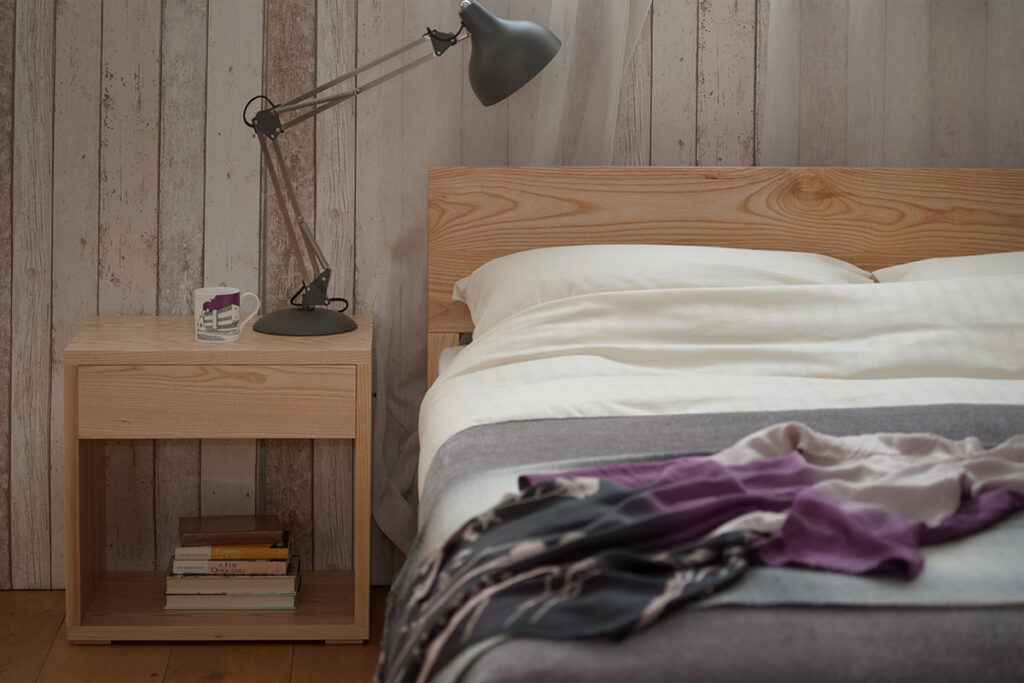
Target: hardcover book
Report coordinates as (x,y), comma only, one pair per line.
(232,600)
(236,583)
(230,567)
(234,551)
(230,530)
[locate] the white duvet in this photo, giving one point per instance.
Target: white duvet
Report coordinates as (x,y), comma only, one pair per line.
(779,347)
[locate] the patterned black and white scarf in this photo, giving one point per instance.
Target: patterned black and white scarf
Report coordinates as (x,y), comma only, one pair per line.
(571,557)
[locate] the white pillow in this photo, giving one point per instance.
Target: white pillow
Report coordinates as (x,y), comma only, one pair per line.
(515,282)
(1005,263)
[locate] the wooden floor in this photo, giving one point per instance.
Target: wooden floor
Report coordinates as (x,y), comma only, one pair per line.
(33,647)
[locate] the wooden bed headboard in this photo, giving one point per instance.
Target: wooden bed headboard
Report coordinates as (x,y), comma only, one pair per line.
(871,217)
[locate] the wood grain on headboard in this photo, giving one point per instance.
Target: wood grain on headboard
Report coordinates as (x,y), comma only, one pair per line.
(872,217)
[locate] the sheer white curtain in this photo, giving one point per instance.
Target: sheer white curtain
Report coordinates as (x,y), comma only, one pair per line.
(565,116)
(568,115)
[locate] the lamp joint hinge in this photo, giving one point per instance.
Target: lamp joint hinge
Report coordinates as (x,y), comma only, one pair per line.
(267,122)
(442,40)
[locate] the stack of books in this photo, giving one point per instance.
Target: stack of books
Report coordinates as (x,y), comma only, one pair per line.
(232,562)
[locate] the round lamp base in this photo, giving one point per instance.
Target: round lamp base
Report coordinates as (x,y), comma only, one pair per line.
(299,322)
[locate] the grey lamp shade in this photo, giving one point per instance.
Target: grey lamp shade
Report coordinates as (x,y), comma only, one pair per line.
(506,54)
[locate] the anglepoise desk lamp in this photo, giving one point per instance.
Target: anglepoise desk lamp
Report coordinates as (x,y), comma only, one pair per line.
(505,55)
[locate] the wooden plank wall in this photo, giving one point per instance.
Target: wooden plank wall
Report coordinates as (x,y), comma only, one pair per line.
(7,24)
(127,179)
(75,284)
(31,268)
(183,56)
(889,83)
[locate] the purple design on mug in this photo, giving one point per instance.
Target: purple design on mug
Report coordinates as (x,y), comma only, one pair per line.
(220,301)
(220,314)
(217,313)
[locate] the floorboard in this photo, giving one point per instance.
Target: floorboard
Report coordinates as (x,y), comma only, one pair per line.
(342,663)
(230,662)
(34,647)
(115,663)
(29,622)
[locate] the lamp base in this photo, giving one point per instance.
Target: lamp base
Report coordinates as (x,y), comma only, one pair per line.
(304,322)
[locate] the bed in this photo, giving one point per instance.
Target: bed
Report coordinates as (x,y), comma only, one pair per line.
(626,322)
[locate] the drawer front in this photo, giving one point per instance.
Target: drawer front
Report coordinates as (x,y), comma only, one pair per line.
(216,401)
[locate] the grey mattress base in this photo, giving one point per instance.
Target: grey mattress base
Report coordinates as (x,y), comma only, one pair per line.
(770,630)
(780,644)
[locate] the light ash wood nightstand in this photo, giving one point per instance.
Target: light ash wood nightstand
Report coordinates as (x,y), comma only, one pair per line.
(147,378)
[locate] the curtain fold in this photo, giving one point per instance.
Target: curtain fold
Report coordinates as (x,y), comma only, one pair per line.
(565,116)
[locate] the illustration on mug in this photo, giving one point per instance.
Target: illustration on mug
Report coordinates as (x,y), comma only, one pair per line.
(220,317)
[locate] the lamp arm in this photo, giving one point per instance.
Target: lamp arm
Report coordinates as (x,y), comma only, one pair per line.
(268,125)
(328,102)
(354,72)
(441,41)
(314,283)
(313,251)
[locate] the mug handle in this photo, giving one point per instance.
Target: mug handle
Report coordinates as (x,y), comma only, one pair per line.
(255,310)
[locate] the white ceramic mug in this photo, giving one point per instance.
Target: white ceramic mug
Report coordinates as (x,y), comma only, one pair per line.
(218,313)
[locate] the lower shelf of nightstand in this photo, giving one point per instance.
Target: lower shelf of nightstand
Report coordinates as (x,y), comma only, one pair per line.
(130,606)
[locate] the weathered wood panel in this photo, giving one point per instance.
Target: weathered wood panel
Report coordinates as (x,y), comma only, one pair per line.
(1004,87)
(823,79)
(631,145)
(334,216)
(290,63)
(182,153)
(865,84)
(882,83)
(778,83)
(374,214)
(725,83)
(7,34)
(674,82)
(335,232)
(958,52)
(32,224)
(75,219)
(908,91)
(231,236)
(234,73)
(182,192)
(129,168)
(379,230)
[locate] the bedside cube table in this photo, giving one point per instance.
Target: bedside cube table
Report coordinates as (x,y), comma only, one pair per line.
(147,378)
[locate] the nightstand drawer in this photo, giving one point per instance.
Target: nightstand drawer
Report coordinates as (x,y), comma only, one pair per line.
(216,401)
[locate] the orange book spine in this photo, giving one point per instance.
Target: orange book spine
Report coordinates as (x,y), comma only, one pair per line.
(231,552)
